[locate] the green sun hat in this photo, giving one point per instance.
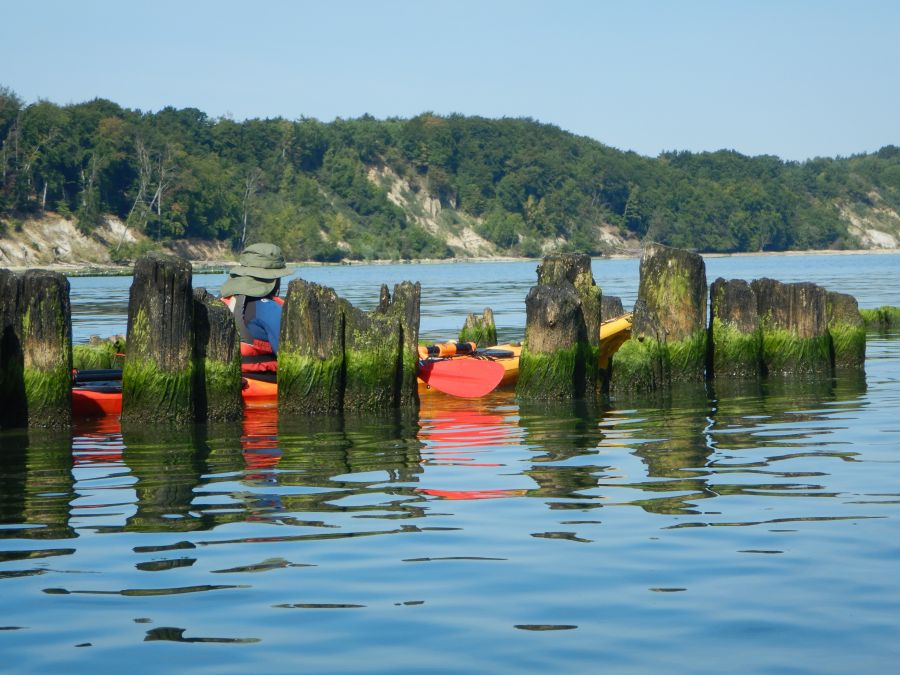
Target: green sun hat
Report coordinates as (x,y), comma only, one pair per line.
(260,266)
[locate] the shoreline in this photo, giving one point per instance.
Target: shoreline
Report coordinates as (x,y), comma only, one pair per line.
(222,266)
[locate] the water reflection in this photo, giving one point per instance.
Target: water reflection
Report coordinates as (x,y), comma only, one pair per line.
(733,439)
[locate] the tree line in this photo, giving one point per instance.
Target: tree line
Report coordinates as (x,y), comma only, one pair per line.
(178,173)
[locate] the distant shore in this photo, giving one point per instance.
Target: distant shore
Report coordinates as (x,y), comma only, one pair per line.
(223,266)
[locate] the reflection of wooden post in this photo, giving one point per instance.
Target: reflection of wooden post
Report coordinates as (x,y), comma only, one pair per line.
(47,348)
(44,488)
(734,330)
(14,410)
(480,329)
(794,327)
(669,332)
(561,354)
(847,330)
(217,360)
(311,351)
(157,377)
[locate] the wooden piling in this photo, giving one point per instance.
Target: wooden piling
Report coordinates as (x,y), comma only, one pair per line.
(793,320)
(46,326)
(157,376)
(405,306)
(311,351)
(669,331)
(480,329)
(373,358)
(334,357)
(561,353)
(14,411)
(611,307)
(735,336)
(217,360)
(847,330)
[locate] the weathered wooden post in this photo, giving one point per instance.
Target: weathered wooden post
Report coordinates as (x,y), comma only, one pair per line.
(157,376)
(560,356)
(14,411)
(311,351)
(611,307)
(793,320)
(372,357)
(847,330)
(881,319)
(217,360)
(735,337)
(405,305)
(480,329)
(669,332)
(334,357)
(46,339)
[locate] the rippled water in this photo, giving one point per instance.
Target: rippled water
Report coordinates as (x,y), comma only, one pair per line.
(741,529)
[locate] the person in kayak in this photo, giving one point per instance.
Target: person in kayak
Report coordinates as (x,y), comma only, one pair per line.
(251,293)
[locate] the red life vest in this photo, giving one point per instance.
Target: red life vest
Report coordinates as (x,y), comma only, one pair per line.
(256,355)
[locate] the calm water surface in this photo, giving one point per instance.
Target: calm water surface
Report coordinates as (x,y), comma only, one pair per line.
(742,529)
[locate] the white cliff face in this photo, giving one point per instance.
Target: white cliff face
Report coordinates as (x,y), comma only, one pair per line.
(449,225)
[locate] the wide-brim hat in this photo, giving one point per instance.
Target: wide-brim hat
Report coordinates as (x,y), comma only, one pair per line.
(262,261)
(241,285)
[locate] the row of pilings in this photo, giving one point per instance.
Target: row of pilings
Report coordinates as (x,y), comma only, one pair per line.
(183,351)
(755,329)
(182,363)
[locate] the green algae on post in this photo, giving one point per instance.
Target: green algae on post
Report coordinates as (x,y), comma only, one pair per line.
(311,351)
(848,332)
(217,360)
(372,358)
(99,354)
(560,355)
(46,330)
(669,333)
(882,318)
(793,322)
(405,307)
(158,373)
(736,340)
(480,329)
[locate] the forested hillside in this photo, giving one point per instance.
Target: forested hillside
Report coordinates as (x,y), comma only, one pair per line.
(404,189)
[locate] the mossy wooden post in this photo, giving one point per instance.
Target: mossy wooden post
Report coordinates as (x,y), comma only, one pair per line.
(373,356)
(14,410)
(311,351)
(881,319)
(405,305)
(157,376)
(611,307)
(560,356)
(480,329)
(47,348)
(217,360)
(793,320)
(847,330)
(669,331)
(735,338)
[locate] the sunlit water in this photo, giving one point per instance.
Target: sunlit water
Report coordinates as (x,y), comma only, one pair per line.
(735,529)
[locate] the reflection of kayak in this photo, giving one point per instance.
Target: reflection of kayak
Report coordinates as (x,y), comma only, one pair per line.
(102,398)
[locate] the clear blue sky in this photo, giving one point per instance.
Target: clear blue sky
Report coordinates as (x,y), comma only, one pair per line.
(796,79)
